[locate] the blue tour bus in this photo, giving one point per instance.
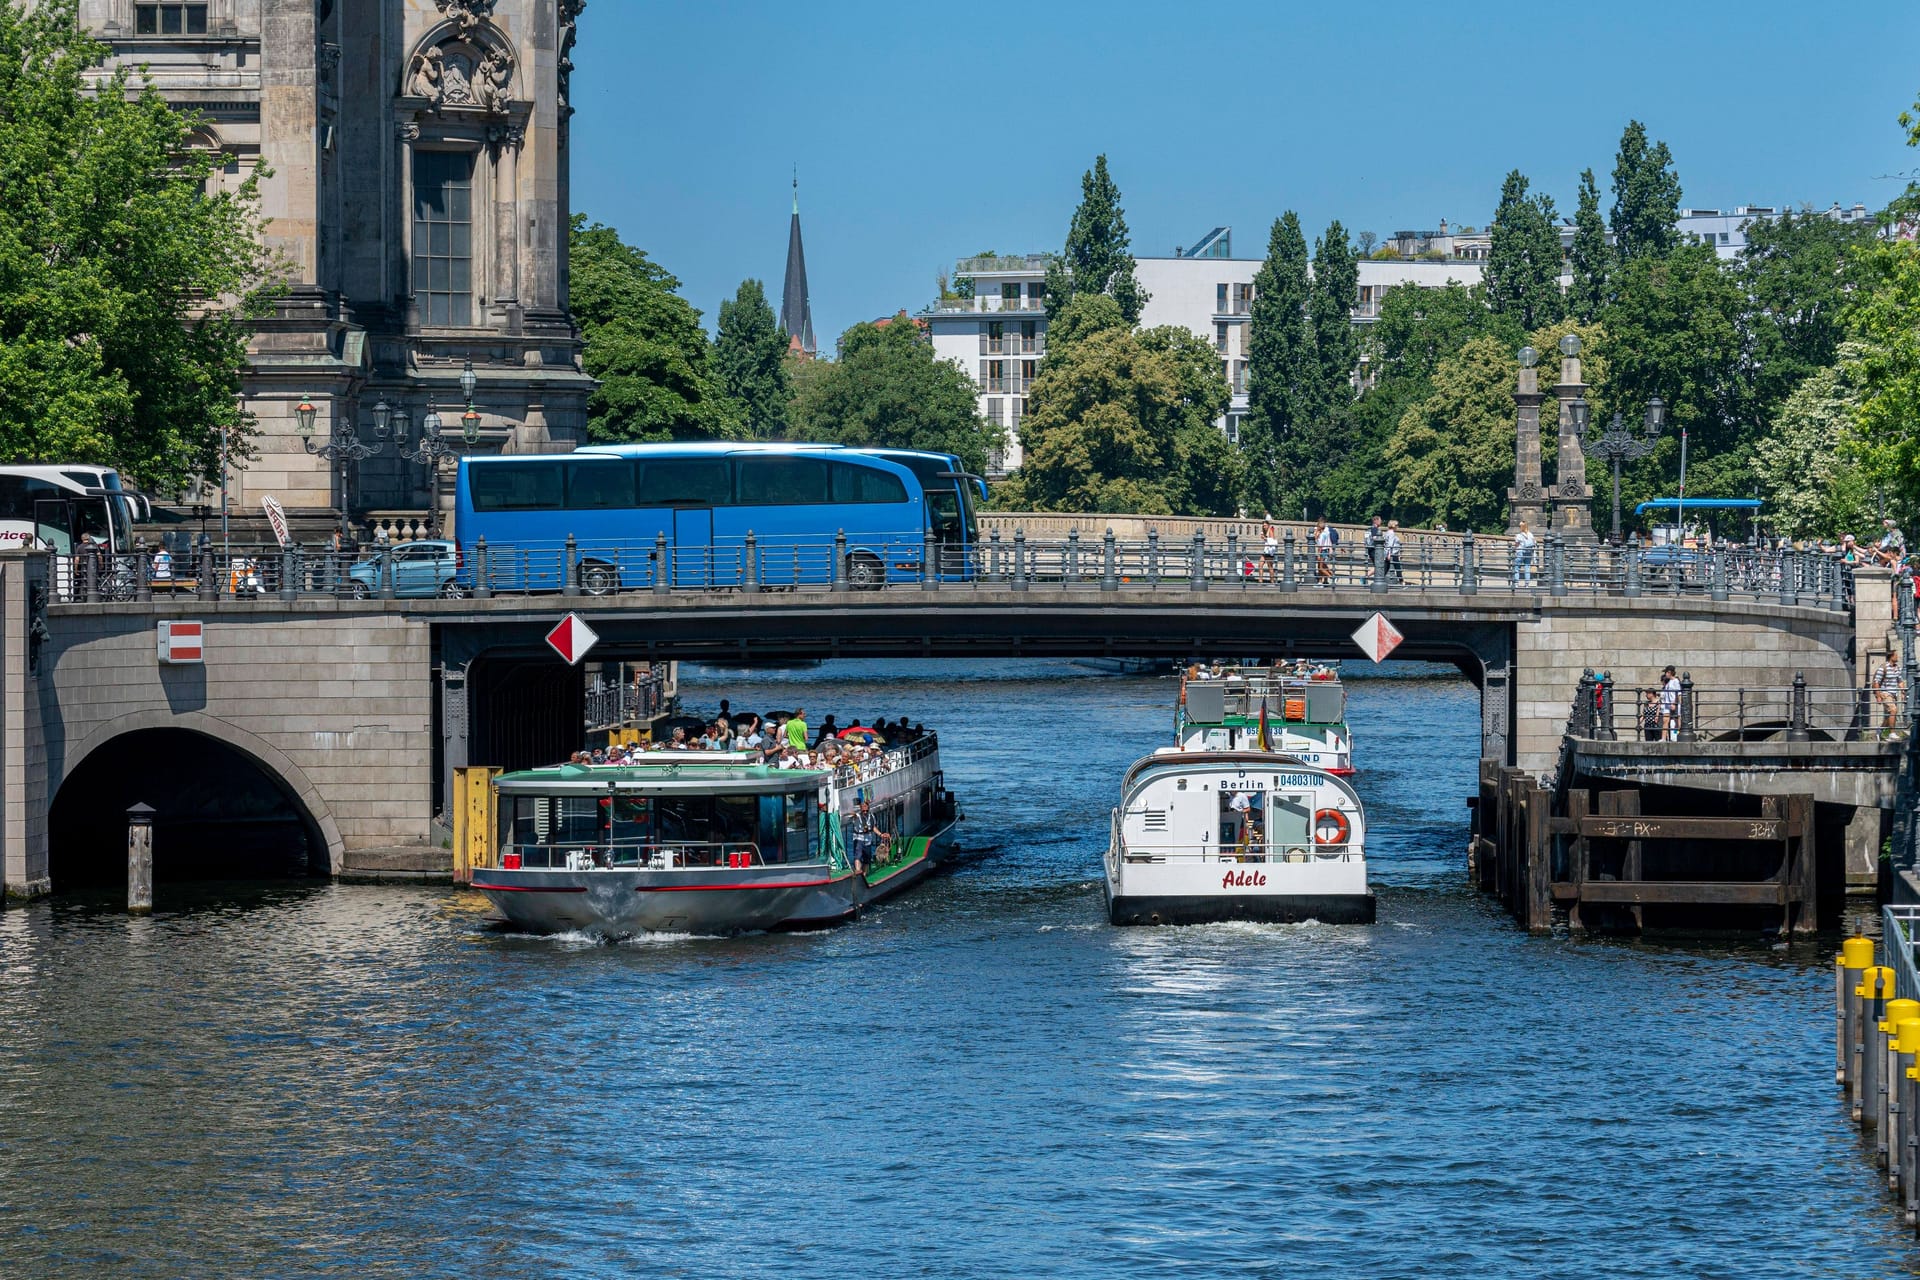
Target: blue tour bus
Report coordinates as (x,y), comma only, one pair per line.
(684,512)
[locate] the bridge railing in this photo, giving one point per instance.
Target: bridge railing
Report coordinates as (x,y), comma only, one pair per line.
(1091,561)
(1605,712)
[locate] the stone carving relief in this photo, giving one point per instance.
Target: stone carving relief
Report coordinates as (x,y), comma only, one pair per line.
(569,31)
(466,15)
(462,74)
(1527,491)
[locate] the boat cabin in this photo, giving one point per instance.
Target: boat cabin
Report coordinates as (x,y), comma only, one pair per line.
(1237,807)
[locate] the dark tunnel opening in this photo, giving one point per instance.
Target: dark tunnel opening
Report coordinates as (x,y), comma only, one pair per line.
(218,815)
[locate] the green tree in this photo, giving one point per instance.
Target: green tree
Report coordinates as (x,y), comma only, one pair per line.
(1808,466)
(887,390)
(751,355)
(645,345)
(1123,421)
(1797,274)
(1674,329)
(1590,258)
(1336,287)
(1523,262)
(1885,319)
(1451,454)
(114,234)
(1283,371)
(1098,258)
(1646,197)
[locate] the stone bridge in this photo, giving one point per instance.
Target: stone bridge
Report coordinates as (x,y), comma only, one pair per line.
(341,719)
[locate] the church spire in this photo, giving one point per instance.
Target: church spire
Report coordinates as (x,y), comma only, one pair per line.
(796,312)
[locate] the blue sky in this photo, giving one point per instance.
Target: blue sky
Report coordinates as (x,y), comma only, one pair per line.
(925,132)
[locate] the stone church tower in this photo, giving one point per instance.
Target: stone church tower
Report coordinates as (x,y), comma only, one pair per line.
(418,203)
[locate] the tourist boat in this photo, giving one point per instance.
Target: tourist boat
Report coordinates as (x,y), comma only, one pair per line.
(1303,711)
(1213,835)
(709,842)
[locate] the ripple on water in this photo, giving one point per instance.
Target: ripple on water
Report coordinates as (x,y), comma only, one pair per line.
(980,1079)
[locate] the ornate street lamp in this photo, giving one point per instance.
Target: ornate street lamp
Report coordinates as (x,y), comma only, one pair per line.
(432,448)
(343,444)
(1617,443)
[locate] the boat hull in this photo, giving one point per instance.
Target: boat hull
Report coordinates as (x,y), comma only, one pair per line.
(1276,908)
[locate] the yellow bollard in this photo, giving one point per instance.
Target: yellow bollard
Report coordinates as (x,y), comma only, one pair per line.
(1903,1125)
(1865,1011)
(1884,1105)
(1855,954)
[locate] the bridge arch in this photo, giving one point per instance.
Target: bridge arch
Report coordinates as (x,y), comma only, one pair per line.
(199,771)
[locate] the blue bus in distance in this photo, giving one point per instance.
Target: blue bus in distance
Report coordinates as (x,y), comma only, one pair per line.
(714,514)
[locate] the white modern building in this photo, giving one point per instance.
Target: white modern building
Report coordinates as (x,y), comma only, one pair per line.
(999,333)
(1726,229)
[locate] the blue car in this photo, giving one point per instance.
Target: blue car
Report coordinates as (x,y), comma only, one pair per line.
(428,567)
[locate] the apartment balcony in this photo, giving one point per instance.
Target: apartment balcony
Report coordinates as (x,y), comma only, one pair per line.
(974,306)
(1005,264)
(1018,346)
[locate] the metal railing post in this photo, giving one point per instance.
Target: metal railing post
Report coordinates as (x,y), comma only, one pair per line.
(993,556)
(1797,711)
(1689,714)
(1072,573)
(1287,580)
(663,565)
(208,588)
(1153,557)
(290,572)
(386,573)
(1556,565)
(1606,729)
(1021,568)
(1789,576)
(142,582)
(1582,725)
(1632,588)
(1233,558)
(1718,587)
(90,577)
(1109,567)
(482,570)
(1469,571)
(570,568)
(930,564)
(1838,601)
(838,569)
(1377,547)
(1197,574)
(750,571)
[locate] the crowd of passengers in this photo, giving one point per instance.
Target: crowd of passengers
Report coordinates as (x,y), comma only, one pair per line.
(780,739)
(1298,669)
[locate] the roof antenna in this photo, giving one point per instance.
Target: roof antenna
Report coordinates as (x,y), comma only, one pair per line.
(796,188)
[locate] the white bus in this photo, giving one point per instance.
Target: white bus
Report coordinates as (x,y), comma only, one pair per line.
(56,506)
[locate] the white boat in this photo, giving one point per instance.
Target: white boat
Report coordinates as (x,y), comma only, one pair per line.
(1211,835)
(1298,713)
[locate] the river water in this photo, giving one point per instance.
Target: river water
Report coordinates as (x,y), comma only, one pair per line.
(981,1079)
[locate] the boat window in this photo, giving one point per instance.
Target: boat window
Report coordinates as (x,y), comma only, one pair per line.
(1231,819)
(632,819)
(1292,822)
(799,828)
(772,829)
(685,819)
(734,819)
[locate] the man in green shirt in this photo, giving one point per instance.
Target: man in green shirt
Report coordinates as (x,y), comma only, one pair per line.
(797,729)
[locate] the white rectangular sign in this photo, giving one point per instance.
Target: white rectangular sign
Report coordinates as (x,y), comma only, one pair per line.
(182,642)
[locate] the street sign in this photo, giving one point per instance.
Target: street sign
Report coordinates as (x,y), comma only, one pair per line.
(182,642)
(1377,637)
(572,638)
(278,519)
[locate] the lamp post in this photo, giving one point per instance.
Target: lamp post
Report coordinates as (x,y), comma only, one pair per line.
(434,446)
(343,444)
(1617,443)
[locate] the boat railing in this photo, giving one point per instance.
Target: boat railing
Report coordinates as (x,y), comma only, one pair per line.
(1203,853)
(892,760)
(625,855)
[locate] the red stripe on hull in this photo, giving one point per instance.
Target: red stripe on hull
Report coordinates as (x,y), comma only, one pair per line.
(530,888)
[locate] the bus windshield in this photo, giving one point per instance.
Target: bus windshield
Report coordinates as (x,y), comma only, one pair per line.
(57,507)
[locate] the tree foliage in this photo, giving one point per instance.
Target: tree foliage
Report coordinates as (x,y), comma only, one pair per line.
(645,345)
(1283,370)
(113,238)
(1098,257)
(751,355)
(1797,274)
(1451,453)
(887,390)
(1885,319)
(1808,465)
(1646,197)
(1336,284)
(1119,420)
(1523,262)
(1590,257)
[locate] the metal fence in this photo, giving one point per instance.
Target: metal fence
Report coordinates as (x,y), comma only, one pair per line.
(1606,713)
(613,703)
(1075,562)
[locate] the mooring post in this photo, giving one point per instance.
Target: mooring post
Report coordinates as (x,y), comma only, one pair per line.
(1469,572)
(1197,572)
(1109,569)
(750,579)
(482,574)
(1797,711)
(1688,722)
(140,860)
(1855,955)
(1020,566)
(1287,581)
(1718,587)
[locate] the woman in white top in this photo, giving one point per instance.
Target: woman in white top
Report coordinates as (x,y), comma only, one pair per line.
(1523,543)
(1269,546)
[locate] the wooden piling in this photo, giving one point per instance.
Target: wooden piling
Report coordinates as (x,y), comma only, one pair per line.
(140,860)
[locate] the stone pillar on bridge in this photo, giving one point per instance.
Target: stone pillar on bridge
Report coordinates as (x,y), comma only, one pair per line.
(1572,498)
(1525,499)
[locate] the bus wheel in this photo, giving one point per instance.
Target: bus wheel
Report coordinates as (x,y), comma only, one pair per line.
(864,573)
(597,579)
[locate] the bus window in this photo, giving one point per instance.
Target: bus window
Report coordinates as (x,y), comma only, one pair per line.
(854,483)
(774,481)
(533,485)
(686,482)
(599,486)
(52,521)
(943,516)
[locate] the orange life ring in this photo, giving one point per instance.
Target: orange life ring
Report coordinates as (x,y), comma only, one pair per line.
(1330,826)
